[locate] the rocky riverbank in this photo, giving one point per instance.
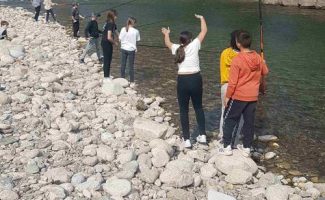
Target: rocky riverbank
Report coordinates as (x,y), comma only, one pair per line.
(64,134)
(318,4)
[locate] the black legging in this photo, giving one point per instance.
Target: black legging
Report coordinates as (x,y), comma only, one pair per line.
(107,53)
(190,87)
(75,27)
(48,15)
(37,11)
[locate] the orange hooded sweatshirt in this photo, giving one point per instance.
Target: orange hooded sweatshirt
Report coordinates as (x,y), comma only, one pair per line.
(246,71)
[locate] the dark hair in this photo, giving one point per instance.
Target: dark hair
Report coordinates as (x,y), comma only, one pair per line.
(111,14)
(185,38)
(130,21)
(244,39)
(4,23)
(233,36)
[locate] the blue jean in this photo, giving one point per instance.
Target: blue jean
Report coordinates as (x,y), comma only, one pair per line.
(127,56)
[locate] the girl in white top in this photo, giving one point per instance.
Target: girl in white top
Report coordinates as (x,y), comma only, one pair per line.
(48,6)
(189,80)
(129,36)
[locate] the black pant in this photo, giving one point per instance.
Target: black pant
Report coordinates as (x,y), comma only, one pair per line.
(125,55)
(37,11)
(107,53)
(232,115)
(75,27)
(190,87)
(48,15)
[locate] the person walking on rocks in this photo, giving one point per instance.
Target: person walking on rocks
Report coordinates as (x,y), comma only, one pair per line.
(3,30)
(246,71)
(129,36)
(226,58)
(92,35)
(108,41)
(189,80)
(48,6)
(75,19)
(37,4)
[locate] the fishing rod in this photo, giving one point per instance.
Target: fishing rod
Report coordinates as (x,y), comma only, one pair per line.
(152,23)
(117,6)
(261,29)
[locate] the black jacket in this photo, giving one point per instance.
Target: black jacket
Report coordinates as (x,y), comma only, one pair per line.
(92,29)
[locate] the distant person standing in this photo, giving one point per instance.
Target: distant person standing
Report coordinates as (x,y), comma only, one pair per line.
(129,36)
(108,40)
(92,35)
(37,4)
(3,30)
(48,8)
(246,72)
(75,19)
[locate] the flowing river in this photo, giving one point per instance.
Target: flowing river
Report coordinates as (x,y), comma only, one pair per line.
(294,107)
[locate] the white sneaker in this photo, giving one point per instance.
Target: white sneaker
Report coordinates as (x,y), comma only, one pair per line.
(107,80)
(244,151)
(225,151)
(202,139)
(187,144)
(133,85)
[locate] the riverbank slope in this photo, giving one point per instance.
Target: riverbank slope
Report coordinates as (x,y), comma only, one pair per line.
(67,135)
(318,4)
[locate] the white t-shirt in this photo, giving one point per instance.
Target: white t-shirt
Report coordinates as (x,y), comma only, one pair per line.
(191,62)
(129,39)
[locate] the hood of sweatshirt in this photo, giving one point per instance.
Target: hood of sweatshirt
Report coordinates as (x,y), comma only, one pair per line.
(252,59)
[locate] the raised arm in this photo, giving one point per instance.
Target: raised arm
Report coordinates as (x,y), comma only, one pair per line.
(166,32)
(204,28)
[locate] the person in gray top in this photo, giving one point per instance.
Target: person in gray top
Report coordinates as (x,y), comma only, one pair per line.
(37,5)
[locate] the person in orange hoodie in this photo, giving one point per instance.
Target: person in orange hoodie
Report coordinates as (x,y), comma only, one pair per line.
(246,71)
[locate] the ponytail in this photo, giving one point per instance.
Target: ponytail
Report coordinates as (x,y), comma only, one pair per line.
(185,39)
(130,22)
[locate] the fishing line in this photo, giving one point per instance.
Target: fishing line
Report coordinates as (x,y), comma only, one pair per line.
(117,6)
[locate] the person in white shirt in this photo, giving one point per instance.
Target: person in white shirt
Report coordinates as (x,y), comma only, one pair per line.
(129,36)
(48,6)
(189,80)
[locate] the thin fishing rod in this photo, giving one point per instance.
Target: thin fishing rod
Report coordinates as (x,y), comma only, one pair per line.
(152,23)
(261,29)
(117,6)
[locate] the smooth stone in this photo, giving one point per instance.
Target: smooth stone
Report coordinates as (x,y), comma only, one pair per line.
(269,155)
(276,192)
(214,195)
(148,130)
(179,194)
(117,187)
(267,138)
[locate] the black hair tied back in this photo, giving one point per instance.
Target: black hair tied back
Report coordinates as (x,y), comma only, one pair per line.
(184,39)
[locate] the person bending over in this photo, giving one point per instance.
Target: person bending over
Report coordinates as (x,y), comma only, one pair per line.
(189,80)
(246,71)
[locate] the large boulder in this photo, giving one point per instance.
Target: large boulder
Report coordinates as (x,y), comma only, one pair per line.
(4,99)
(148,130)
(117,187)
(17,51)
(238,176)
(226,164)
(277,192)
(178,173)
(111,88)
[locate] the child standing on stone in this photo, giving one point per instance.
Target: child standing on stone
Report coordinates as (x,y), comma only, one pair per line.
(129,36)
(246,71)
(48,6)
(189,80)
(3,30)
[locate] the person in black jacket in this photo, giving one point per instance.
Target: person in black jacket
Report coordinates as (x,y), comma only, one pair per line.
(92,35)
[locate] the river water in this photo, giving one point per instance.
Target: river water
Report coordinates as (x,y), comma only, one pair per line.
(294,107)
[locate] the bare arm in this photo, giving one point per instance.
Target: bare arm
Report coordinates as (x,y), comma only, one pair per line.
(166,33)
(204,28)
(109,37)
